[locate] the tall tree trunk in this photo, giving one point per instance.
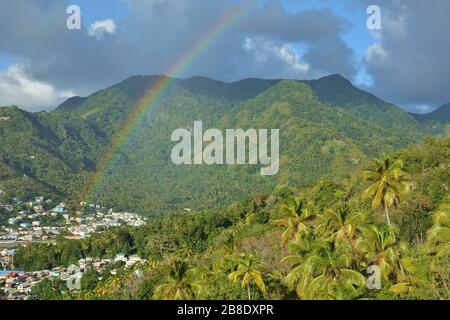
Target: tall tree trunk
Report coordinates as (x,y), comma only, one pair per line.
(248,291)
(388,218)
(386,212)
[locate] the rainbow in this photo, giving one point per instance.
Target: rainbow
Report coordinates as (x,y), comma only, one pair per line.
(157,90)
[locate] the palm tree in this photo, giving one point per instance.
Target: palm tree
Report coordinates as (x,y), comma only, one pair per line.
(296,218)
(342,228)
(300,274)
(381,249)
(181,283)
(389,184)
(247,270)
(341,225)
(438,250)
(324,273)
(438,237)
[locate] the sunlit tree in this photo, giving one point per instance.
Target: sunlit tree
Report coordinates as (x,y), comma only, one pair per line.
(247,273)
(296,219)
(181,283)
(389,184)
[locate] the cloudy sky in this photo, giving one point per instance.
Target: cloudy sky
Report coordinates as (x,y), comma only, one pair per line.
(42,62)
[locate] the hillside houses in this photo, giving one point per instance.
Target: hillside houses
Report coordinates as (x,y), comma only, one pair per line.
(18,284)
(38,221)
(7,258)
(41,222)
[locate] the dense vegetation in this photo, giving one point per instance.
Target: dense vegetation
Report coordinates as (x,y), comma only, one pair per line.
(329,128)
(316,242)
(314,231)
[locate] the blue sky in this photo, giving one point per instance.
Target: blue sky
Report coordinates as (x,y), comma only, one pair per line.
(42,63)
(94,10)
(5,61)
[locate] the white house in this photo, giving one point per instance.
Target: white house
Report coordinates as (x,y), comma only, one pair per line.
(120,257)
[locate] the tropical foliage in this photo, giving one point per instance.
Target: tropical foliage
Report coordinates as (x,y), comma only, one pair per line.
(326,241)
(328,128)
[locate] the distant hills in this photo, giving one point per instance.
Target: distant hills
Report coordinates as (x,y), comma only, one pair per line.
(328,128)
(440,114)
(437,121)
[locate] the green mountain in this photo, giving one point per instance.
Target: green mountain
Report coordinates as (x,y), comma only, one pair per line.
(328,128)
(71,103)
(45,153)
(290,238)
(337,91)
(436,122)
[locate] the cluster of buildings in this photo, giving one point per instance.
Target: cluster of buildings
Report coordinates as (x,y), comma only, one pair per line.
(7,258)
(17,285)
(82,226)
(41,221)
(37,223)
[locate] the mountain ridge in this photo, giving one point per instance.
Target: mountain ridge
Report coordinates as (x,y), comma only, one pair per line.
(437,121)
(441,113)
(329,127)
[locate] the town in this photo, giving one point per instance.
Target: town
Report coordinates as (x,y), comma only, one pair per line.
(17,285)
(39,221)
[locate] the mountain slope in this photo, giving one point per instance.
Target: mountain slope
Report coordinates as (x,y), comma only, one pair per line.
(436,122)
(328,128)
(441,113)
(337,91)
(32,158)
(216,240)
(316,141)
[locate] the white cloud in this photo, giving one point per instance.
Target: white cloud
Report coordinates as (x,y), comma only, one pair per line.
(99,28)
(376,53)
(288,55)
(265,50)
(19,88)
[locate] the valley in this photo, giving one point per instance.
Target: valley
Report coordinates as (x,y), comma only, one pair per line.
(204,225)
(336,126)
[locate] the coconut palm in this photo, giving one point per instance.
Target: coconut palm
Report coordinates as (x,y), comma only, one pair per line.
(340,226)
(297,215)
(247,270)
(182,283)
(324,273)
(438,237)
(333,276)
(389,184)
(382,250)
(300,274)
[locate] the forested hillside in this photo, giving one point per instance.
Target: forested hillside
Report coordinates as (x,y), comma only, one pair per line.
(38,156)
(328,128)
(316,242)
